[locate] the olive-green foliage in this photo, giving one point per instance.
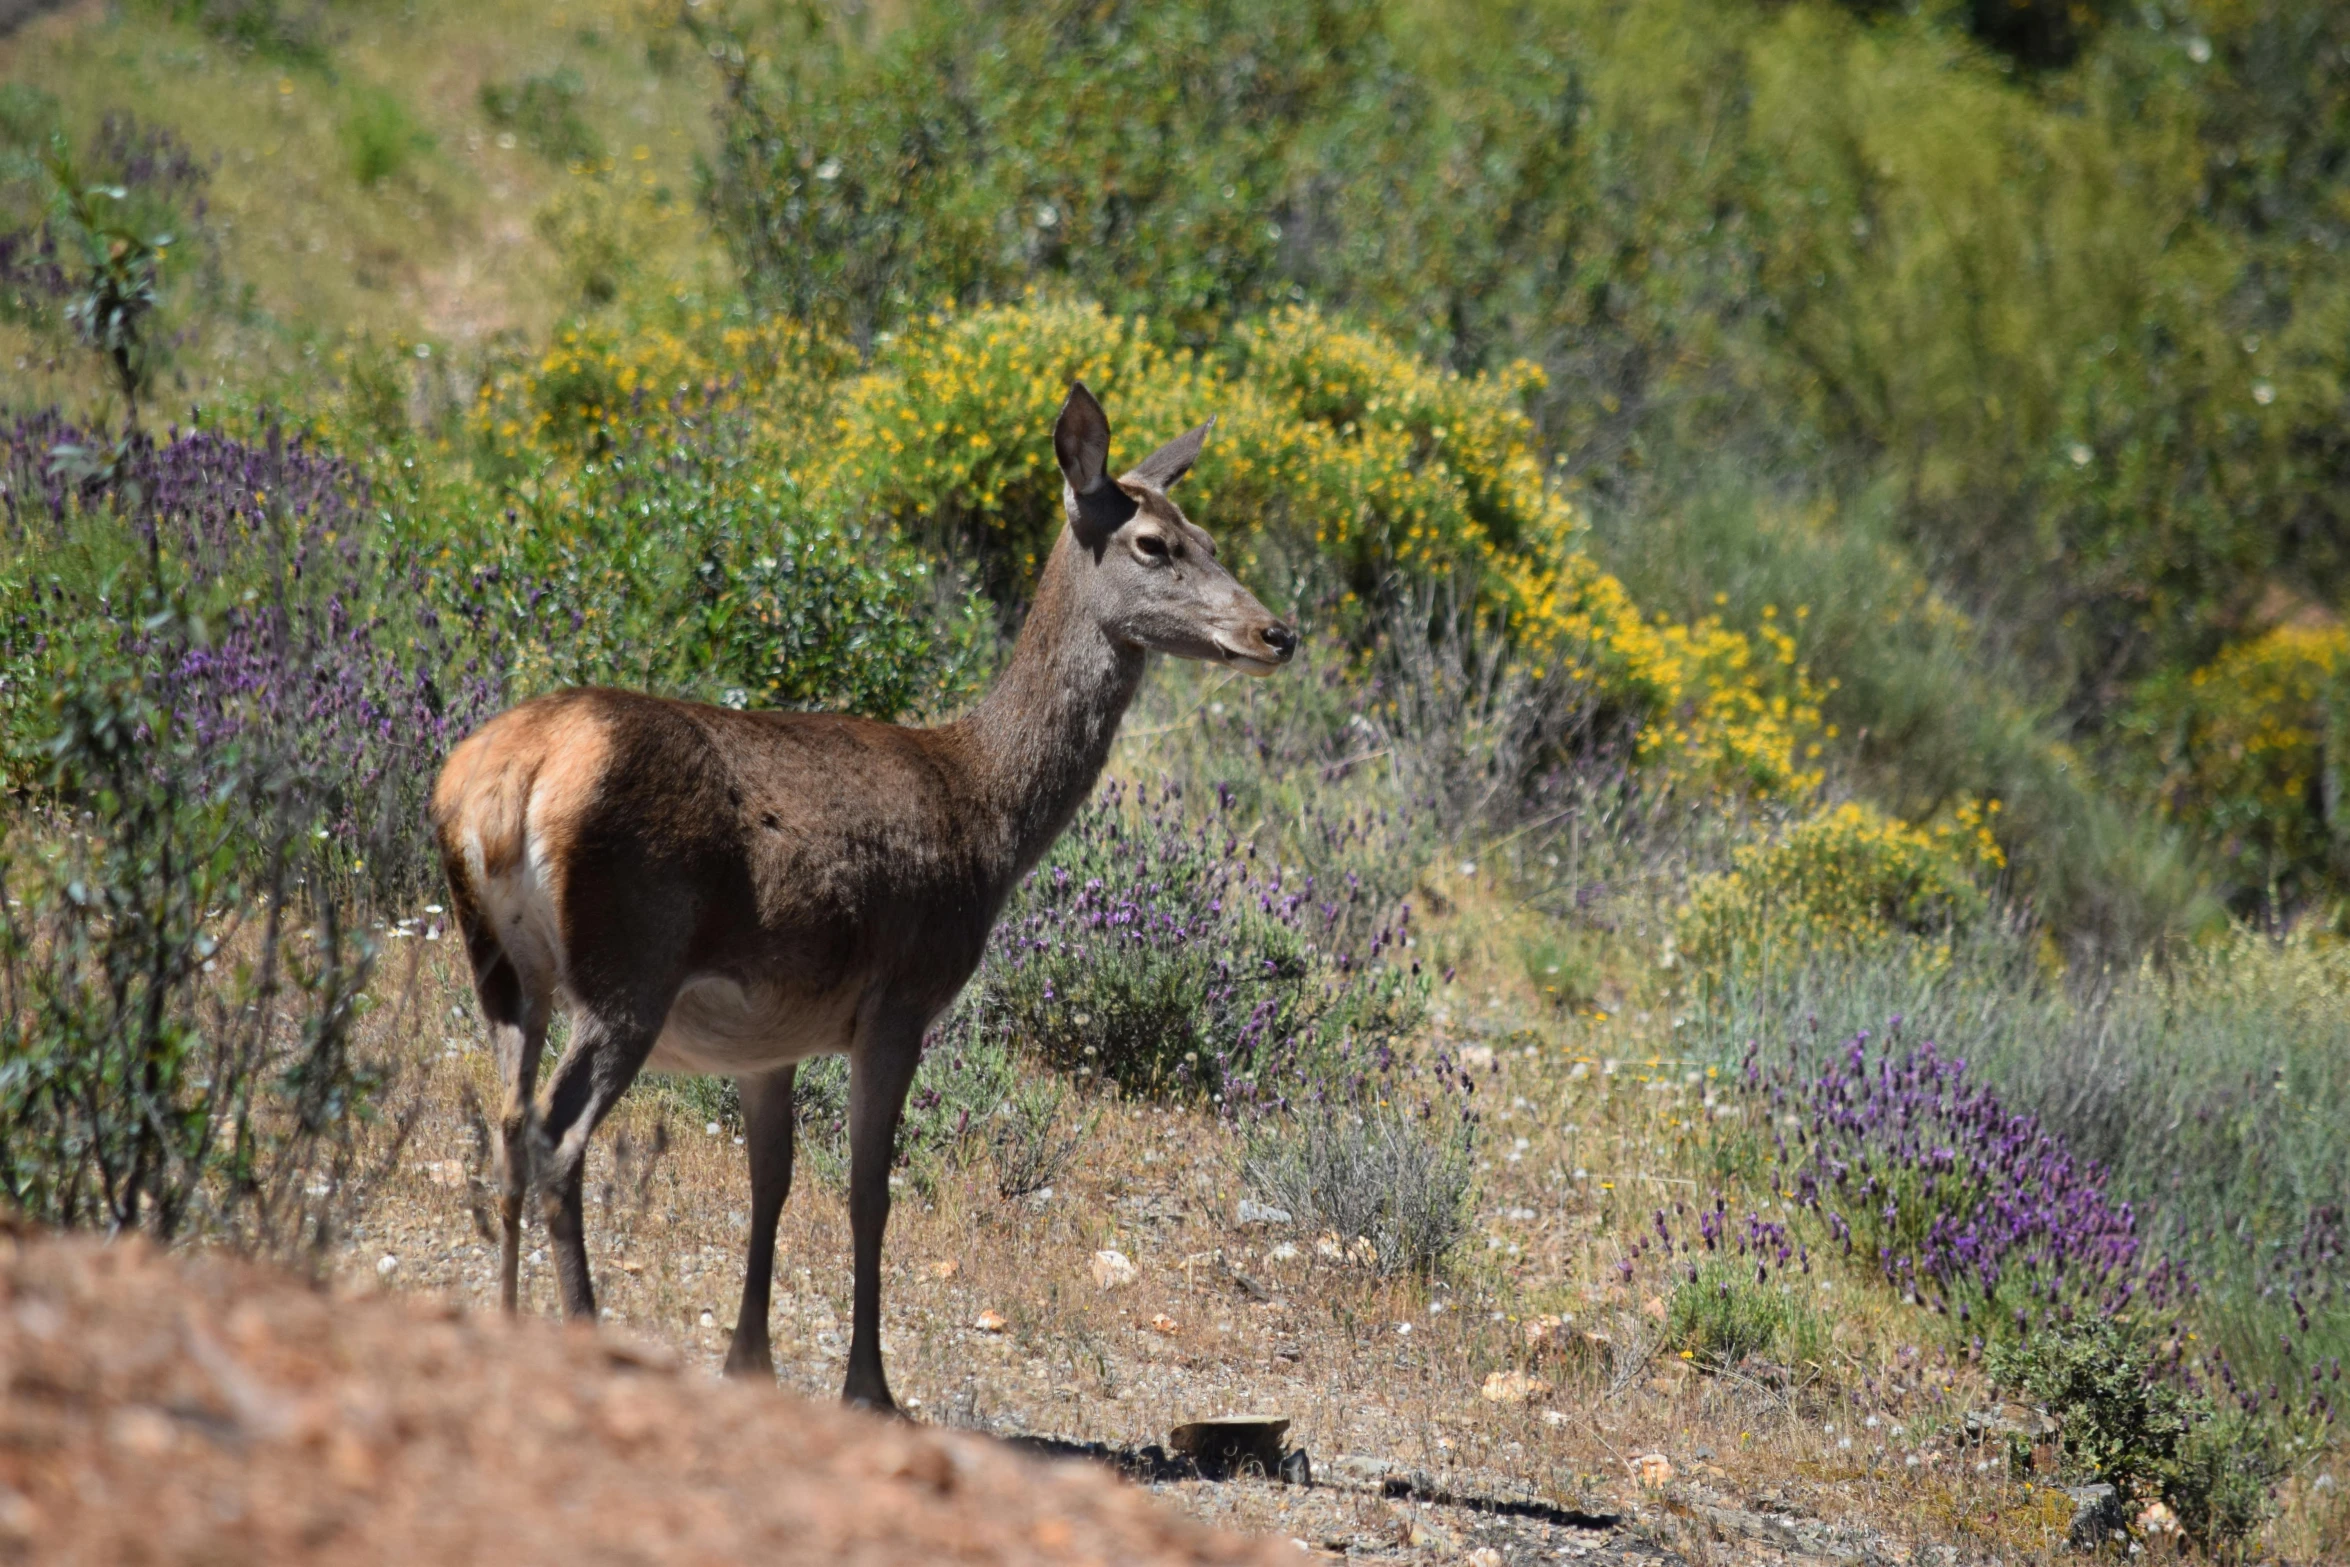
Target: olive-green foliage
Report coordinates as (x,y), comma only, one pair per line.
(689,562)
(1726,1314)
(544,110)
(176,1013)
(1848,878)
(289,32)
(2123,1420)
(380,135)
(979,147)
(2083,327)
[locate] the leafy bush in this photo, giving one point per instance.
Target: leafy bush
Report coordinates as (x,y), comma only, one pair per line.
(2249,751)
(689,561)
(178,998)
(379,135)
(2221,1482)
(1348,464)
(1726,1313)
(2122,1419)
(544,111)
(319,641)
(1392,1188)
(979,147)
(285,31)
(1847,877)
(2119,1420)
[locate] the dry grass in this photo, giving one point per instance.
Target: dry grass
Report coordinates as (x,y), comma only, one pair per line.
(446,250)
(1392,1370)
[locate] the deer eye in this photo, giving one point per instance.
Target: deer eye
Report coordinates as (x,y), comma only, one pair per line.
(1151,546)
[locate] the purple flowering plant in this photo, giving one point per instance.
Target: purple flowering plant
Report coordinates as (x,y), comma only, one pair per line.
(1159,950)
(302,629)
(1898,1162)
(1955,1199)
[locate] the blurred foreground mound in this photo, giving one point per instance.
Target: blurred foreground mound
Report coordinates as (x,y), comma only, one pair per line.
(161,1408)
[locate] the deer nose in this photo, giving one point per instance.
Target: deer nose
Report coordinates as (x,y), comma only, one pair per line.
(1280,639)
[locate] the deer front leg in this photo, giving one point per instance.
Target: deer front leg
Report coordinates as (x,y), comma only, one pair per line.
(607,1050)
(768,1114)
(880,1071)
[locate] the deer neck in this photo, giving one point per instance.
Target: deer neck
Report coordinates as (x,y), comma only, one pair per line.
(1040,737)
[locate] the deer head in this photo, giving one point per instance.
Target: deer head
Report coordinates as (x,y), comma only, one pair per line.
(1148,576)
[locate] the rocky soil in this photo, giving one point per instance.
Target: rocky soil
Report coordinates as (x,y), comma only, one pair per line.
(165,1409)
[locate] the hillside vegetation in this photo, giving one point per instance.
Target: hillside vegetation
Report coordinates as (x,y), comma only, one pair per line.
(1818,529)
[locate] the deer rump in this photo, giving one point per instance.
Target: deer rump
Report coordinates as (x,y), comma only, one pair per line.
(753,881)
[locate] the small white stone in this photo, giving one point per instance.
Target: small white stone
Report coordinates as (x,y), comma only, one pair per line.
(386,1263)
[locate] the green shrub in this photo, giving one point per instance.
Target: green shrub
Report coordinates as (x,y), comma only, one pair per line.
(690,562)
(977,147)
(2222,1481)
(544,110)
(379,135)
(1845,879)
(178,998)
(286,31)
(2121,1420)
(1390,1187)
(1724,1315)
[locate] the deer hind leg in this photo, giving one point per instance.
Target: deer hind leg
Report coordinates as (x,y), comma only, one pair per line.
(517,1012)
(609,1044)
(881,1069)
(768,1114)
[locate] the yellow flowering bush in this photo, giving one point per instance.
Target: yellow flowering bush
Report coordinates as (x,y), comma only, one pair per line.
(1339,462)
(594,380)
(1846,878)
(2240,750)
(1341,457)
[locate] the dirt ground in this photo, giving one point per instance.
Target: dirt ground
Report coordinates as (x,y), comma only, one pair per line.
(996,1323)
(1523,1409)
(165,1409)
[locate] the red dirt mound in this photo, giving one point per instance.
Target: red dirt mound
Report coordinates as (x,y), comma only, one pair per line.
(167,1409)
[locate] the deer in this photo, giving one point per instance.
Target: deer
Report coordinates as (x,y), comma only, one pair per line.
(728,892)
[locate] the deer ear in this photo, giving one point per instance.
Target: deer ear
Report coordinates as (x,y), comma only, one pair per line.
(1081,440)
(1162,468)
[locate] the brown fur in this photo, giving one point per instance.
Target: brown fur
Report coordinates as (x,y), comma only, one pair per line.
(733,892)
